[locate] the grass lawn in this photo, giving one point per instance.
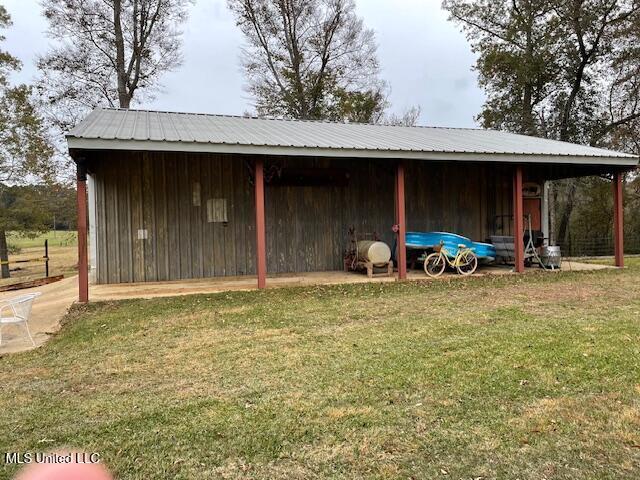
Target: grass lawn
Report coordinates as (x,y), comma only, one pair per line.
(629,260)
(56,238)
(534,377)
(63,255)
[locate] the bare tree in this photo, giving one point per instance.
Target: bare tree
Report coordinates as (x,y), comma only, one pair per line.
(408,118)
(108,52)
(310,59)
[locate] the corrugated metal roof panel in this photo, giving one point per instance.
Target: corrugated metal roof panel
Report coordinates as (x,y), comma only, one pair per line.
(151,126)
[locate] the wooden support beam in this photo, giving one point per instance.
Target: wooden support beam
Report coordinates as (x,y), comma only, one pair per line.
(261,240)
(618,218)
(518,220)
(83,266)
(401,222)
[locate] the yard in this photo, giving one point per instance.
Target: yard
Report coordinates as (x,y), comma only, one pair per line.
(526,377)
(63,255)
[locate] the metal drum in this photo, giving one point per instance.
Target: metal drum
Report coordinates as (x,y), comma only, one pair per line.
(378,253)
(550,257)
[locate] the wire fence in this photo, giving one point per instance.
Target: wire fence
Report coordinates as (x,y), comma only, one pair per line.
(596,246)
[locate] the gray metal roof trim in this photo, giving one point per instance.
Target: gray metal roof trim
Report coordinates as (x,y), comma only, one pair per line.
(196,147)
(359,149)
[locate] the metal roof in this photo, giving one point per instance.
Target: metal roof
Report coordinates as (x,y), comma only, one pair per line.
(108,129)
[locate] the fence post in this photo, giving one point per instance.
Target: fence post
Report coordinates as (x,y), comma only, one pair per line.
(46,258)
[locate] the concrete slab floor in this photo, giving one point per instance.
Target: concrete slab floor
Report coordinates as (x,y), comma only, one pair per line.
(213,285)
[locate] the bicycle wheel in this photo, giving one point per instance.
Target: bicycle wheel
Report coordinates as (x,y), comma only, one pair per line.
(434,264)
(467,263)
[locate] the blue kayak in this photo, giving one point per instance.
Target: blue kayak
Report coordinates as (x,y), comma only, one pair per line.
(485,252)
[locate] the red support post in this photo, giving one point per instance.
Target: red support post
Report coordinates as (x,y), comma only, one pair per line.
(518,220)
(261,241)
(618,219)
(83,265)
(401,222)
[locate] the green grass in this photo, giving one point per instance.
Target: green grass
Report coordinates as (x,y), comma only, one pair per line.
(57,238)
(498,377)
(629,261)
(63,255)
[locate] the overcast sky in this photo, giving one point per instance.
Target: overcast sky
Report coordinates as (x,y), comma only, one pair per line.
(426,60)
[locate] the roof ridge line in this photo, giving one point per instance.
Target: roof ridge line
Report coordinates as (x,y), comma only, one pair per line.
(296,120)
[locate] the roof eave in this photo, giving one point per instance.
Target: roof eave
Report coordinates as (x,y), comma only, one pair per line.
(77,143)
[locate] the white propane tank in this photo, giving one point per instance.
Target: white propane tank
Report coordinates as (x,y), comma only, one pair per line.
(378,253)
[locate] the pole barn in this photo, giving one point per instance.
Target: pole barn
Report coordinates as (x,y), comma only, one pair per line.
(181,196)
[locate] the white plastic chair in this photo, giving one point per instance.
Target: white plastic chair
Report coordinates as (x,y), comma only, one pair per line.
(17,310)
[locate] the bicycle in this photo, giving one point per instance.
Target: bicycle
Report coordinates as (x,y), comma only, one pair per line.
(465,261)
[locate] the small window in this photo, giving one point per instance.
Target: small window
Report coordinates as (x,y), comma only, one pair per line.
(196,194)
(217,210)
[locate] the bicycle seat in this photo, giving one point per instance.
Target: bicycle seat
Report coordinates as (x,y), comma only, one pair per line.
(462,245)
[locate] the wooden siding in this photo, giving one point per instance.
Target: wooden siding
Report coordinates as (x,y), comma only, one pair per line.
(306,225)
(473,200)
(154,192)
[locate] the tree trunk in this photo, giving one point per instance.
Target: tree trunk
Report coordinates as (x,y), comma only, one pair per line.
(124,98)
(528,125)
(4,255)
(563,227)
(568,106)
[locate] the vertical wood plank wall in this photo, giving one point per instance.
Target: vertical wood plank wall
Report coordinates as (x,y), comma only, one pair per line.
(306,225)
(154,192)
(473,200)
